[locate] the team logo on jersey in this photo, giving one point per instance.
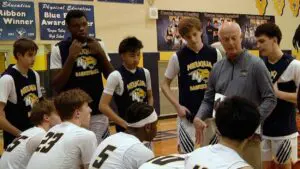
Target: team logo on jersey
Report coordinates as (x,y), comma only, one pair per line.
(273,74)
(295,5)
(138,95)
(30,99)
(134,84)
(86,62)
(279,6)
(261,5)
(27,89)
(200,75)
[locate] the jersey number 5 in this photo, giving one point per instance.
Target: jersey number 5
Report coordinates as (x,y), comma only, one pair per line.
(15,143)
(48,142)
(103,156)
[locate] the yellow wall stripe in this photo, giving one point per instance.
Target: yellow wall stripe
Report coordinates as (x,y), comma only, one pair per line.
(296,54)
(40,59)
(165,55)
(254,52)
(40,63)
(141,63)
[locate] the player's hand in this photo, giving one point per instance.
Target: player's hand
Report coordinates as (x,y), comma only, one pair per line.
(199,127)
(276,90)
(94,46)
(181,111)
(75,49)
(256,137)
(124,124)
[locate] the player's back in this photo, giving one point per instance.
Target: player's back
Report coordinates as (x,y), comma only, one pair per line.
(65,146)
(174,161)
(215,156)
(18,153)
(120,151)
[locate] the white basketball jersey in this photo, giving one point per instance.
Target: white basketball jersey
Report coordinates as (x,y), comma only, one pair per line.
(174,161)
(120,151)
(18,153)
(65,146)
(215,156)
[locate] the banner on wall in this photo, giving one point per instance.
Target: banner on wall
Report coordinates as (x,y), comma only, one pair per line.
(212,22)
(52,20)
(17,20)
(168,38)
(248,24)
(125,1)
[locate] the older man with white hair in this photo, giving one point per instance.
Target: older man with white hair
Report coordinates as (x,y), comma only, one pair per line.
(241,74)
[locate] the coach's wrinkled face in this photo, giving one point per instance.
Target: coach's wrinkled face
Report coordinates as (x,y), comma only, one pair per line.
(85,115)
(230,36)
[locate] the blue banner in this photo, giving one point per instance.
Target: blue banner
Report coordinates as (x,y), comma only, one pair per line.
(125,1)
(52,20)
(17,20)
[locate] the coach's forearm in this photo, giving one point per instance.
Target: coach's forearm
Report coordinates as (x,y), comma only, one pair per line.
(267,106)
(205,111)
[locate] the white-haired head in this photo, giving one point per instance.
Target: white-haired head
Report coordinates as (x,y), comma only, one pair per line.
(230,36)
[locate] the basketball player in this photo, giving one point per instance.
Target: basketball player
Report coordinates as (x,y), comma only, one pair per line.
(68,145)
(19,90)
(43,116)
(280,132)
(296,38)
(236,121)
(296,44)
(125,149)
(128,84)
(192,64)
(79,62)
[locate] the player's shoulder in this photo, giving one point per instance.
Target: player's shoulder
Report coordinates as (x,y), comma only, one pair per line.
(295,64)
(126,138)
(33,131)
(139,150)
(6,78)
(201,150)
(35,73)
(145,70)
(83,134)
(114,74)
(63,42)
